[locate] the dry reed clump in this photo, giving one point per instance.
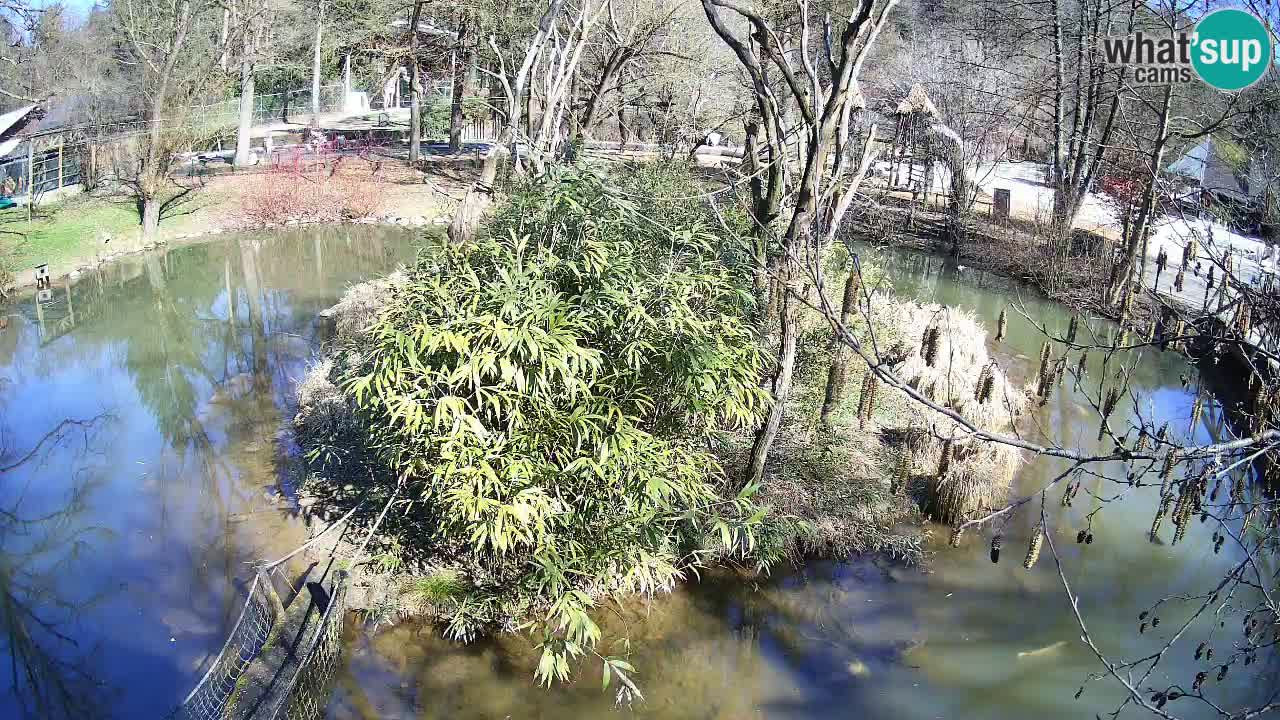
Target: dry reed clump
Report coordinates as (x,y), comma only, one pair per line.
(833,498)
(952,368)
(360,305)
(322,408)
(852,484)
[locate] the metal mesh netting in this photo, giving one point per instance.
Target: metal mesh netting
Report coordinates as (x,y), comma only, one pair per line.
(308,692)
(209,699)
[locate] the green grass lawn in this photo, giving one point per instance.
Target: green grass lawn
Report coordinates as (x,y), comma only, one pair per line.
(70,230)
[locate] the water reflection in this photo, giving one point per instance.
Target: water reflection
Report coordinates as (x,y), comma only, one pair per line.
(121,546)
(863,638)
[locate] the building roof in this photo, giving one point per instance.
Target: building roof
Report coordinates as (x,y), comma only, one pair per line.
(14,120)
(917,101)
(12,124)
(1219,167)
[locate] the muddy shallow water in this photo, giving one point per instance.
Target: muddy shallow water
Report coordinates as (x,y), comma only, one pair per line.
(867,638)
(157,396)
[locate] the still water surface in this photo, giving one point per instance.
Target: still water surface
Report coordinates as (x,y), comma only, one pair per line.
(125,535)
(123,538)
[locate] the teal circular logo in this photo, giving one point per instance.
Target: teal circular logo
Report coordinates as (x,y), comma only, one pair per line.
(1232,49)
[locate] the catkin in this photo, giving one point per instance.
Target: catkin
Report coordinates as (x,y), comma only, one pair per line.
(1166,473)
(1044,381)
(1244,317)
(987,388)
(929,345)
(944,460)
(1109,405)
(983,377)
(956,533)
(1196,409)
(1033,549)
(864,399)
(1182,514)
(1002,325)
(1154,534)
(1178,280)
(1072,329)
(996,542)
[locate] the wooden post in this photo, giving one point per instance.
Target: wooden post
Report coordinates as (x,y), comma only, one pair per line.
(1000,204)
(40,300)
(31,174)
(71,310)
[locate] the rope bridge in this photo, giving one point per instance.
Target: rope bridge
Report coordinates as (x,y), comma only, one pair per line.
(276,664)
(298,689)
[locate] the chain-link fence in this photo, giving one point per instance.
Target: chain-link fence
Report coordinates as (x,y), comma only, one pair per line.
(269,107)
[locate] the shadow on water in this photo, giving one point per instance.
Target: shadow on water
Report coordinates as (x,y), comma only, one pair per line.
(123,541)
(865,638)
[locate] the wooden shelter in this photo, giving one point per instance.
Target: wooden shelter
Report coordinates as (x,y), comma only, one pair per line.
(913,118)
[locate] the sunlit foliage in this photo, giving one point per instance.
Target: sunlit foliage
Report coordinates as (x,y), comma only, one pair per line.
(550,391)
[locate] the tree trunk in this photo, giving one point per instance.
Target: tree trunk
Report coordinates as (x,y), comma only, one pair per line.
(781,392)
(461,73)
(222,39)
(242,158)
(315,66)
(150,174)
(1138,229)
(346,79)
(415,113)
(415,88)
(838,372)
(618,59)
(149,198)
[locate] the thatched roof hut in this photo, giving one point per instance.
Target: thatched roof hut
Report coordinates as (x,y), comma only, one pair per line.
(917,101)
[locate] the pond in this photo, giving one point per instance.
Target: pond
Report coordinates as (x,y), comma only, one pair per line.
(157,397)
(125,535)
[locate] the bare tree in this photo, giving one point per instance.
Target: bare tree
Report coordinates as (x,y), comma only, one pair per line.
(820,67)
(171,45)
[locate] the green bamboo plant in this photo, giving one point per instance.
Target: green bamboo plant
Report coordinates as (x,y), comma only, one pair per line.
(550,390)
